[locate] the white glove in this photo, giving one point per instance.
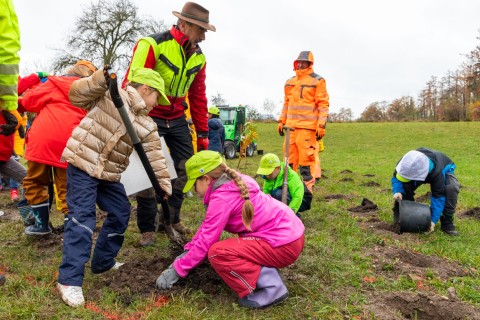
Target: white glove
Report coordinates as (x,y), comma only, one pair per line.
(432,227)
(397,197)
(168,278)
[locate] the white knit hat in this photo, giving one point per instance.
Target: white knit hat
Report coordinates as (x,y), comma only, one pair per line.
(413,166)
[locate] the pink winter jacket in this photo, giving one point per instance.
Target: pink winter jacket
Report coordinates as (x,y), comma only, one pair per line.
(273,221)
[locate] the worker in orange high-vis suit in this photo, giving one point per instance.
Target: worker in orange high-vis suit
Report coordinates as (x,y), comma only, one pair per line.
(305,109)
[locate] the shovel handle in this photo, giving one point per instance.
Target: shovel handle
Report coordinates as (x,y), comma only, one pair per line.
(118,102)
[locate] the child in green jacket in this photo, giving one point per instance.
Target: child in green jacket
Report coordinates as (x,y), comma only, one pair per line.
(299,198)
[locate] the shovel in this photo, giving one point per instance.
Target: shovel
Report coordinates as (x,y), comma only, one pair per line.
(285,164)
(118,102)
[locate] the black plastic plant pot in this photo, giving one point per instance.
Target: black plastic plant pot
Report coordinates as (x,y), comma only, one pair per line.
(414,217)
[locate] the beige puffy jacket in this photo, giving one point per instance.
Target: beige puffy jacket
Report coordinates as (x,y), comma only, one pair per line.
(100,145)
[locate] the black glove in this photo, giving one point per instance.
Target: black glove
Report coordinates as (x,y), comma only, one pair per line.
(21,132)
(11,123)
(106,73)
(161,198)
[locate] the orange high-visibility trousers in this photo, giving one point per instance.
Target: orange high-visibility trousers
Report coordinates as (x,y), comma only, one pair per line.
(301,156)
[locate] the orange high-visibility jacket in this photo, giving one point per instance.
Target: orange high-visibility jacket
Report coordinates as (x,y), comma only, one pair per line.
(306,99)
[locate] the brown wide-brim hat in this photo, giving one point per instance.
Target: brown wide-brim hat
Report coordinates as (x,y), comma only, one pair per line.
(195,13)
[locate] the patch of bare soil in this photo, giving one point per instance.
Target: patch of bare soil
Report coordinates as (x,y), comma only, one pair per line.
(365,206)
(346,180)
(370,184)
(421,306)
(424,198)
(9,214)
(336,196)
(137,277)
(395,261)
(474,212)
(52,242)
(369,175)
(382,228)
(346,171)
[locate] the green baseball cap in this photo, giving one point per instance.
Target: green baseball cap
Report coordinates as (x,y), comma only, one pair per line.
(152,79)
(200,164)
(268,163)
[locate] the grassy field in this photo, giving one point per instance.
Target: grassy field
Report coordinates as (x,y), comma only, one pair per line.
(352,267)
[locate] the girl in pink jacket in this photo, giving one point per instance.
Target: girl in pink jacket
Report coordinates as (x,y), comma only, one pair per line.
(269,234)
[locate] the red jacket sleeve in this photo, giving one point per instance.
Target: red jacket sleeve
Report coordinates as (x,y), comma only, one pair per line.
(37,98)
(197,97)
(27,82)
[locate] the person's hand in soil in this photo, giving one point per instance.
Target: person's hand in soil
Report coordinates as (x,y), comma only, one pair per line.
(168,278)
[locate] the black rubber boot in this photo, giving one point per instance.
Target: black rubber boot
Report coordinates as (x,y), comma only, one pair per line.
(41,213)
(26,212)
(447,225)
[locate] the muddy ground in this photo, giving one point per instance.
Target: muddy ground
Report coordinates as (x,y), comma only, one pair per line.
(136,279)
(422,306)
(390,263)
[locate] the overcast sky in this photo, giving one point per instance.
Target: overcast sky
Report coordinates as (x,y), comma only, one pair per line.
(367,51)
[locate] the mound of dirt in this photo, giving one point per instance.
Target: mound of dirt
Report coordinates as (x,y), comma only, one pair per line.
(370,184)
(9,214)
(474,212)
(409,305)
(137,277)
(365,206)
(346,171)
(336,196)
(49,243)
(346,180)
(396,261)
(369,175)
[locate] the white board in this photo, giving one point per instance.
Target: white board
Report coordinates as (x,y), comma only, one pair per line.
(135,178)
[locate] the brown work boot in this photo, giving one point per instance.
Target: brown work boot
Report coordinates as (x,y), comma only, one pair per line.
(147,239)
(181,228)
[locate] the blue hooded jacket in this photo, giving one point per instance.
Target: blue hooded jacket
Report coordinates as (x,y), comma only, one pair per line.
(216,135)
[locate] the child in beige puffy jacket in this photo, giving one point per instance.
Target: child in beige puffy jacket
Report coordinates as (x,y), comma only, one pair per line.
(97,153)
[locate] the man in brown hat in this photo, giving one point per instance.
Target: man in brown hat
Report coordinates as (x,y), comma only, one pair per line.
(176,56)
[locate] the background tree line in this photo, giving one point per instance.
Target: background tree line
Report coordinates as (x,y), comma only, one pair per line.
(453,97)
(106,32)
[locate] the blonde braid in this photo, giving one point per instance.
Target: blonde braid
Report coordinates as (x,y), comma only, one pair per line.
(247,210)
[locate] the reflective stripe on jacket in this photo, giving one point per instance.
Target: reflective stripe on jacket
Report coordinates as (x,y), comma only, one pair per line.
(306,100)
(183,71)
(9,58)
